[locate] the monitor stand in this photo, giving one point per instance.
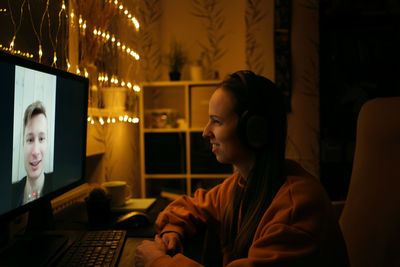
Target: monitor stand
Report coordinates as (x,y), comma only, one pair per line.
(40,245)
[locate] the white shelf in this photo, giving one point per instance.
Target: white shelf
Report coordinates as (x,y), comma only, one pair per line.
(189,100)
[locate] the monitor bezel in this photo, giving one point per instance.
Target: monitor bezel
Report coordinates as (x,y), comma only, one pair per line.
(23,62)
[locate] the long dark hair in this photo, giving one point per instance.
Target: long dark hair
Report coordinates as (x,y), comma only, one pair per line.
(255,95)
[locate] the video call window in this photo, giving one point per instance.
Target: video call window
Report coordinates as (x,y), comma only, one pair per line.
(33,134)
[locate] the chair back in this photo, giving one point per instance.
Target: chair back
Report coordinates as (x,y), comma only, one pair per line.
(370,220)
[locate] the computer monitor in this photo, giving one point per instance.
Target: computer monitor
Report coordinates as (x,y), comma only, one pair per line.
(43,133)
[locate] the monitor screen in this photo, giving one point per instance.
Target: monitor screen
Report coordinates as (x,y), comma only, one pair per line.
(43,133)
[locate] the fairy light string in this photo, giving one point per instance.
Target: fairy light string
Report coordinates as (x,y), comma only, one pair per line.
(15,26)
(85,27)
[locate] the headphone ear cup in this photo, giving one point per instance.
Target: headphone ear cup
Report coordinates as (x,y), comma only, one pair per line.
(256,131)
(252,130)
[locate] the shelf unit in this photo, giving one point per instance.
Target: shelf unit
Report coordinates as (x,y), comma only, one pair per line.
(175,157)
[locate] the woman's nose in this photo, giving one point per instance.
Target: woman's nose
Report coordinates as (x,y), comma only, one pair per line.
(206,131)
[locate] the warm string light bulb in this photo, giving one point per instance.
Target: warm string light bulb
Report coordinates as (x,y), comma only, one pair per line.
(40,53)
(12,43)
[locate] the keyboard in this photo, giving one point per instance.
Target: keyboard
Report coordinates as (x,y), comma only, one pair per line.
(95,248)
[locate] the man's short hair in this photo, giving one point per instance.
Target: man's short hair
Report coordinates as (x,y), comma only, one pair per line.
(33,109)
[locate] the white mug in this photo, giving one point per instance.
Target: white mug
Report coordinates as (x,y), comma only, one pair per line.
(119,192)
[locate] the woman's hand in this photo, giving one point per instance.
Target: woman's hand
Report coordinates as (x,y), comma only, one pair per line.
(148,251)
(173,242)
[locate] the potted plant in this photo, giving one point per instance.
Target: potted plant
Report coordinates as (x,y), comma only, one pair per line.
(176,59)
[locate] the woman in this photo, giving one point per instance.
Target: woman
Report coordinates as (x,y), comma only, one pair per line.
(271,212)
(34,184)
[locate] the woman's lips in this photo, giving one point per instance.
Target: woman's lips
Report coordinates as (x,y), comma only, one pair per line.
(214,147)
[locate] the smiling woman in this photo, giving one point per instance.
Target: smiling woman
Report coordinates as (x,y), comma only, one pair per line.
(271,212)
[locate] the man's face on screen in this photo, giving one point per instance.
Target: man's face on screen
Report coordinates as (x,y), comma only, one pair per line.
(35,145)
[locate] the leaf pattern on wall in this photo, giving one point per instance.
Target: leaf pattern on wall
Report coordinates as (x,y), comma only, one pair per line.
(210,13)
(148,45)
(254,52)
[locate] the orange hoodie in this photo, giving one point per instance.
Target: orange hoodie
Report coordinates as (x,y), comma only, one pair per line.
(298,229)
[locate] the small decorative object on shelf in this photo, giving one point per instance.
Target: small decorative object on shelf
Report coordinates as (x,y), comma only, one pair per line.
(176,59)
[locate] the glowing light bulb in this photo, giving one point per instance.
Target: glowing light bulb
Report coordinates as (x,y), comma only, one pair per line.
(126,12)
(136,22)
(95,31)
(78,71)
(118,43)
(135,120)
(101,120)
(72,15)
(129,85)
(113,120)
(92,122)
(130,120)
(86,73)
(122,83)
(126,118)
(108,120)
(89,119)
(80,20)
(121,118)
(113,39)
(136,88)
(121,7)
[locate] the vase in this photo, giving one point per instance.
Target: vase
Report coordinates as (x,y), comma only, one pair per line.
(174,76)
(196,73)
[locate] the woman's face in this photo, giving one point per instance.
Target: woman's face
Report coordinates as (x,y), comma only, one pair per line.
(35,145)
(222,129)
